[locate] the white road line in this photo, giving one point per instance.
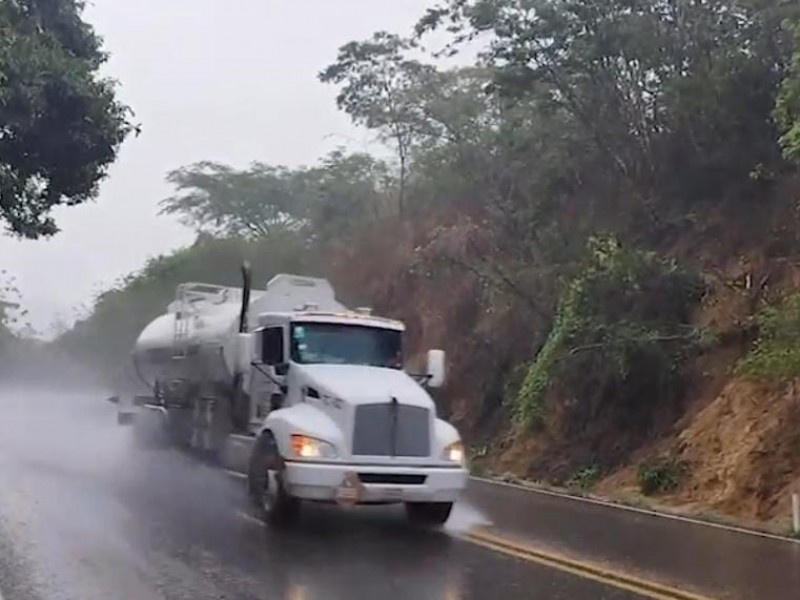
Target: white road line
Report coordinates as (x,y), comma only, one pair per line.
(642,511)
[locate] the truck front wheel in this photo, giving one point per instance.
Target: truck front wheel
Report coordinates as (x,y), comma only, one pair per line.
(265,481)
(430,514)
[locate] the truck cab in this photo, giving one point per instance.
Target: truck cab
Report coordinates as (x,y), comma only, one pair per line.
(340,420)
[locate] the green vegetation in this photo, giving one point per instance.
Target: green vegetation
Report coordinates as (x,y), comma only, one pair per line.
(775,355)
(651,87)
(60,123)
(660,476)
(787,110)
(10,312)
(620,335)
(380,89)
(585,478)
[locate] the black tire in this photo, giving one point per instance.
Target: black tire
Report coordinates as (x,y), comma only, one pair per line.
(268,496)
(429,514)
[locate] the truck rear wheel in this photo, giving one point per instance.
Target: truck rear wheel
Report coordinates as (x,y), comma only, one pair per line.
(430,514)
(265,481)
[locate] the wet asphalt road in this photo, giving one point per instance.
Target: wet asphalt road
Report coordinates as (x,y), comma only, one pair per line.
(719,563)
(84,516)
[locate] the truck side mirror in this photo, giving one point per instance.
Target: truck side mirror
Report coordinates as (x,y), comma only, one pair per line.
(272,350)
(436,368)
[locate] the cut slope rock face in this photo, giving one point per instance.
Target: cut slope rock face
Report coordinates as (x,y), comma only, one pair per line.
(743,451)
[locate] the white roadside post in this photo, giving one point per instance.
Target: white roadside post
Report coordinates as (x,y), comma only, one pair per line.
(796,512)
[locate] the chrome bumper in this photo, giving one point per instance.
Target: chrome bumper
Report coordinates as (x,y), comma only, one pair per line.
(380,483)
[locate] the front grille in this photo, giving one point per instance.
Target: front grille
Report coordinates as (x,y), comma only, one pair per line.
(391,429)
(392,478)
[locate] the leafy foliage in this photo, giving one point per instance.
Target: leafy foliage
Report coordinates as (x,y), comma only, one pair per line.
(775,356)
(218,200)
(13,348)
(653,85)
(584,478)
(60,123)
(10,310)
(621,330)
(659,476)
(6,336)
(787,110)
(378,90)
(345,191)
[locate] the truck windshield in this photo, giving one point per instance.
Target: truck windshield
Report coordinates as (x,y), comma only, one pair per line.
(334,343)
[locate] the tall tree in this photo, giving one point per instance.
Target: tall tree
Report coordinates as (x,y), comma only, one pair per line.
(344,189)
(220,200)
(60,122)
(376,79)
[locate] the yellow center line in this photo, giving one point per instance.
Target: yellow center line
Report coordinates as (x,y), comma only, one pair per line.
(585,570)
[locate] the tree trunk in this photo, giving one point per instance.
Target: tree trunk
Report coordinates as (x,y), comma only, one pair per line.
(401,196)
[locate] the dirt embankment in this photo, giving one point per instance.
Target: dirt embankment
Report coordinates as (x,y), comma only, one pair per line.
(738,442)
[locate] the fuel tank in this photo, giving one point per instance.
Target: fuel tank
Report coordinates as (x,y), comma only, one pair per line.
(194,339)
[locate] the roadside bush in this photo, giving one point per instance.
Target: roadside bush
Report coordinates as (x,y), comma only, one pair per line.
(659,476)
(775,355)
(585,478)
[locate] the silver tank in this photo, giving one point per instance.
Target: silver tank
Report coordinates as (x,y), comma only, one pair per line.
(195,340)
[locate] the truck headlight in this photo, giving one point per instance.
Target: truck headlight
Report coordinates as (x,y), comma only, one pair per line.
(455,453)
(308,447)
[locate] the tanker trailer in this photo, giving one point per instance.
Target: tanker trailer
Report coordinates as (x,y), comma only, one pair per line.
(309,398)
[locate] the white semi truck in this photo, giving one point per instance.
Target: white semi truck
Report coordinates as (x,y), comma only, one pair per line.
(307,397)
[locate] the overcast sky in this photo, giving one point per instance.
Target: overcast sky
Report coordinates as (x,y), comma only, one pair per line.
(225,80)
